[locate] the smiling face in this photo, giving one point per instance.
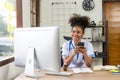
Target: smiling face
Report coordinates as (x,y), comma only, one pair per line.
(77,34)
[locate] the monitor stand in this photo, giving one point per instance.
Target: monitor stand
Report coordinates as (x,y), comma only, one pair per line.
(29,67)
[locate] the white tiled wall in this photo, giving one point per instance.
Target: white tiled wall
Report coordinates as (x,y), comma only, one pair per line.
(65,9)
(97,61)
(4,72)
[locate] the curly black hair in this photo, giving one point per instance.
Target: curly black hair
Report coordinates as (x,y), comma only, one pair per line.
(78,20)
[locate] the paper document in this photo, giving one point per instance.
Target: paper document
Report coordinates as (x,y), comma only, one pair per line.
(106,67)
(82,70)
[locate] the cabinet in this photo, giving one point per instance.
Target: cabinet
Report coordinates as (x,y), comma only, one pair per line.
(99,39)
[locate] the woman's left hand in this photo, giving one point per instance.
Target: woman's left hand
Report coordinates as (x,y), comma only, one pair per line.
(82,49)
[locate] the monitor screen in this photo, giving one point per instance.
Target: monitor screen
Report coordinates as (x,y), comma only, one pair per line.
(45,41)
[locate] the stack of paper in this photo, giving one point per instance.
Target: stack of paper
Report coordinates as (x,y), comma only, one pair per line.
(82,70)
(106,67)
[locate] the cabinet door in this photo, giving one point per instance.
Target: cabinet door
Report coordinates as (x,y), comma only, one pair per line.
(112,13)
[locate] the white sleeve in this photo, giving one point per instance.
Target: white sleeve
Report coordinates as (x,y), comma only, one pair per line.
(65,50)
(90,50)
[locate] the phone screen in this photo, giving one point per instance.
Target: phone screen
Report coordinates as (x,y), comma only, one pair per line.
(81,44)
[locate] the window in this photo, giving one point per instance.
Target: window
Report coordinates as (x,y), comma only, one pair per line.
(7,25)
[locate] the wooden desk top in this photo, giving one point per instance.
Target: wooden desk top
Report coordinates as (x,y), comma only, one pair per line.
(97,75)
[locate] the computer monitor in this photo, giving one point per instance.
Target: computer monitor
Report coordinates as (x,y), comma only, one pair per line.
(44,40)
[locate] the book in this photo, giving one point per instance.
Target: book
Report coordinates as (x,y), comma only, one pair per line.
(115,72)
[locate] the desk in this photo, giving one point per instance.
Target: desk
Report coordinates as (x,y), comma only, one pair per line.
(97,75)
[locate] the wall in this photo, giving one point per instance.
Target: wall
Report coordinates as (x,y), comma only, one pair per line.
(26,13)
(10,71)
(95,14)
(4,72)
(47,14)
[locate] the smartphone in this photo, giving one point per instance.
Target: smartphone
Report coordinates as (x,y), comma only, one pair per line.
(81,44)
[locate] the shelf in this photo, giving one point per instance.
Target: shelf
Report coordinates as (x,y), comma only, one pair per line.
(98,41)
(68,38)
(100,55)
(101,26)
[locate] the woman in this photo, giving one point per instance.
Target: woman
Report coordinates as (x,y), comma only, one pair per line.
(72,54)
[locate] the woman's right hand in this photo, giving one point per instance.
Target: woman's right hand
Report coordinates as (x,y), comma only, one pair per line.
(77,50)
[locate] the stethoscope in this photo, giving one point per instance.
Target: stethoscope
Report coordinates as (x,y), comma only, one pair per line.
(71,44)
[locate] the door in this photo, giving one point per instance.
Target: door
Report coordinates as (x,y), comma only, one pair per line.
(112,14)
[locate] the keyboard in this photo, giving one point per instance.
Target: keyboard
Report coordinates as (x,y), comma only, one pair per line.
(82,70)
(59,73)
